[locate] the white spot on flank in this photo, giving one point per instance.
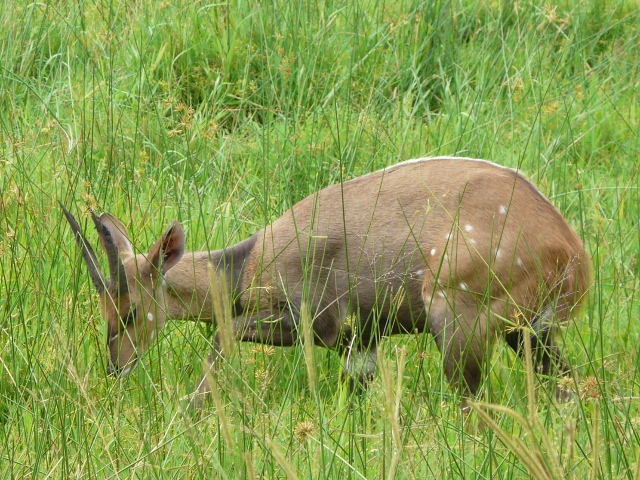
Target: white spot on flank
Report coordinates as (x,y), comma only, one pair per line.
(468,228)
(503,209)
(420,272)
(150,316)
(440,293)
(433,252)
(520,262)
(498,253)
(463,286)
(472,241)
(447,236)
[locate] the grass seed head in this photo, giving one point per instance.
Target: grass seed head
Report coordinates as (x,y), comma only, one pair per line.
(566,384)
(589,388)
(303,430)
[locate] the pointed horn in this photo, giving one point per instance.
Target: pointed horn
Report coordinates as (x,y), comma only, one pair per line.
(118,276)
(98,279)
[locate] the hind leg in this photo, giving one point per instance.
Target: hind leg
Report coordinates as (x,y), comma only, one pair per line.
(464,335)
(545,354)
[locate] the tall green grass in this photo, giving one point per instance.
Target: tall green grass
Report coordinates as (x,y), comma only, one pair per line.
(224,115)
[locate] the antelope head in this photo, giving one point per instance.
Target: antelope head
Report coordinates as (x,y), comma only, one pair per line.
(132,297)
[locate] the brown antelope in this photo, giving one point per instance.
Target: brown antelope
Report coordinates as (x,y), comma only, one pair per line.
(462,248)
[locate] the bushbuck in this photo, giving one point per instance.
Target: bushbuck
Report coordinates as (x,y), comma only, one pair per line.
(461,248)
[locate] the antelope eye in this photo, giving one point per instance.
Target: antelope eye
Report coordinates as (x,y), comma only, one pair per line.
(131,316)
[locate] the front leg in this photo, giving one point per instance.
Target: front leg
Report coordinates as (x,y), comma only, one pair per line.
(359,360)
(278,329)
(359,366)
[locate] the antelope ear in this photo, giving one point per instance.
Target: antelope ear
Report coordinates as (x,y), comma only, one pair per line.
(118,232)
(168,250)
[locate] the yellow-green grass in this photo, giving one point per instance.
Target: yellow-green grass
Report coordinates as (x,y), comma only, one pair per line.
(223,115)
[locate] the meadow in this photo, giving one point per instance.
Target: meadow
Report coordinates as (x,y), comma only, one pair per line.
(223,115)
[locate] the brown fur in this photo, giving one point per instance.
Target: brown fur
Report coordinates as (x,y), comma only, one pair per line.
(448,246)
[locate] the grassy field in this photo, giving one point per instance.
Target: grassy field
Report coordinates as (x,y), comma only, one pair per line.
(223,115)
